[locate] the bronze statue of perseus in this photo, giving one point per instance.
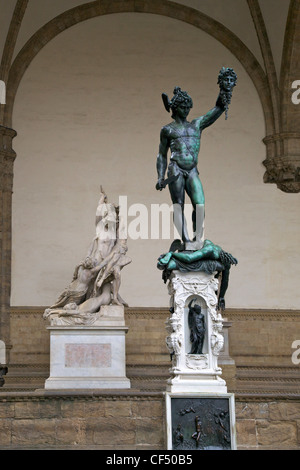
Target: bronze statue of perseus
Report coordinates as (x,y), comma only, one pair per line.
(183,139)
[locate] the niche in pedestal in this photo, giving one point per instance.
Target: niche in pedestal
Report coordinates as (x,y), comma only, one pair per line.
(196,332)
(195,325)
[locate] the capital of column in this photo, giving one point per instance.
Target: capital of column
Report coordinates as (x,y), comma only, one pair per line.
(7,158)
(283,161)
(6,136)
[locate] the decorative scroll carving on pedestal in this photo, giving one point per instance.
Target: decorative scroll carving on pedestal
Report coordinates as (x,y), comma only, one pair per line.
(217,339)
(196,361)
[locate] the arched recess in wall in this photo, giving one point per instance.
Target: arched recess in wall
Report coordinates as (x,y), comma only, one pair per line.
(159,7)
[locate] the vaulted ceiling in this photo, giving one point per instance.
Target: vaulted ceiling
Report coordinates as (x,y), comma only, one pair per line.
(263,34)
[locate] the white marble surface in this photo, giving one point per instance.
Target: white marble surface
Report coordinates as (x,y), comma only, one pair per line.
(87,357)
(194,372)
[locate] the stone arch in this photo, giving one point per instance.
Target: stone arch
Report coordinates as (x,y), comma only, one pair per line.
(160,7)
(9,45)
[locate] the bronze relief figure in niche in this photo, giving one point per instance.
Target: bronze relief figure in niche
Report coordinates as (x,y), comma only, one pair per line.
(196,322)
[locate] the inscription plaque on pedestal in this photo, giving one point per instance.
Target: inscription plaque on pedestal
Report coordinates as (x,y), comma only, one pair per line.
(88,355)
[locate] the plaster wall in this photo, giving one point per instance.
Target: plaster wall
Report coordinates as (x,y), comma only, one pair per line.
(88,112)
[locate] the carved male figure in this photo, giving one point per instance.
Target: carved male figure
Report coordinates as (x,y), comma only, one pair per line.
(76,291)
(111,267)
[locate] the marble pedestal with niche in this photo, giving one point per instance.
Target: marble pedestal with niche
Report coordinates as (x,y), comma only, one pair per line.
(194,372)
(200,412)
(89,356)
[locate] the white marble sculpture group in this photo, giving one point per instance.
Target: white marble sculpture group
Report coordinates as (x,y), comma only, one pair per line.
(96,280)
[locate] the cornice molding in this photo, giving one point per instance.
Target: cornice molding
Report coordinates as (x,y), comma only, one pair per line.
(156,312)
(92,395)
(134,395)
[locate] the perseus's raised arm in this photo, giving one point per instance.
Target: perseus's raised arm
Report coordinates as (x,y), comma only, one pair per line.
(211,116)
(161,161)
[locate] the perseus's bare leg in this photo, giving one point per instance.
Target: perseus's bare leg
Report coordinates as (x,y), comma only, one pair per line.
(195,191)
(177,192)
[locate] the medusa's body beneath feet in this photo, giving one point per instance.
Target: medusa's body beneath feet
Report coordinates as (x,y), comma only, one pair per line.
(210,258)
(208,251)
(84,274)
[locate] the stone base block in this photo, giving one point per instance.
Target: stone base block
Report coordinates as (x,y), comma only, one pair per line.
(82,383)
(191,383)
(84,357)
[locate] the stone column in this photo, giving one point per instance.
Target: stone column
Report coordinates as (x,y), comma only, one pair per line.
(7,157)
(283,147)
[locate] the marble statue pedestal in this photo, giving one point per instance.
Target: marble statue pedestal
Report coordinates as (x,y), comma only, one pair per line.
(194,372)
(89,357)
(200,412)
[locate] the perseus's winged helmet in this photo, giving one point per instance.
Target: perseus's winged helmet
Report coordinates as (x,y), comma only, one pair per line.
(179,97)
(167,103)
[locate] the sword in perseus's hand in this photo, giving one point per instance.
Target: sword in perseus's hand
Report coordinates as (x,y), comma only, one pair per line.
(169,180)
